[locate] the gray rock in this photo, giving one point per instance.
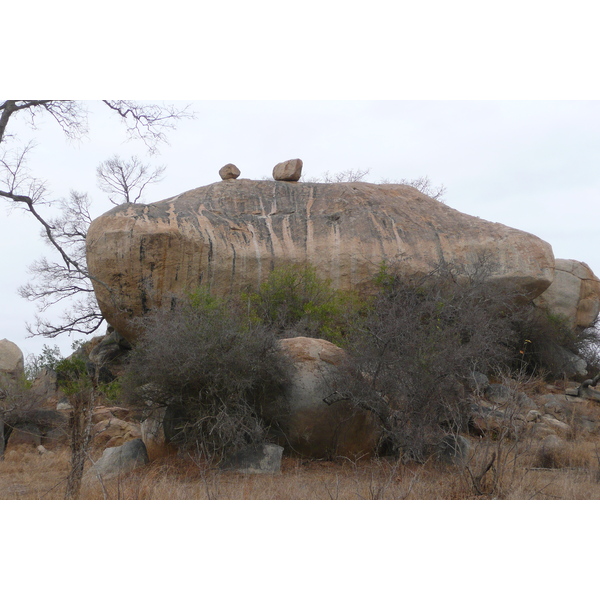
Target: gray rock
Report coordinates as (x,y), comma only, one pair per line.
(1,436)
(454,449)
(261,458)
(498,393)
(479,382)
(119,460)
(229,171)
(551,452)
(572,365)
(106,359)
(290,170)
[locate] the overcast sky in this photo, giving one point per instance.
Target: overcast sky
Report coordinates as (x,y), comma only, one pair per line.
(532,165)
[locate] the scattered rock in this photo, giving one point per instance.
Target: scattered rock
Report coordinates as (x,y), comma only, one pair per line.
(153,434)
(11,360)
(229,171)
(290,170)
(533,416)
(556,424)
(454,449)
(551,454)
(114,432)
(502,394)
(119,460)
(102,413)
(479,382)
(306,424)
(261,458)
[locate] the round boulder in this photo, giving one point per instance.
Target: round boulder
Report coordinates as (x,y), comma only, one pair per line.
(11,359)
(574,293)
(229,171)
(310,419)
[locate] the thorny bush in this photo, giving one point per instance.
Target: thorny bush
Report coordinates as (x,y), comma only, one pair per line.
(210,367)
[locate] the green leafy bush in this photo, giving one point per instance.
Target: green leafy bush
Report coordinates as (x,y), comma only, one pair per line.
(295,301)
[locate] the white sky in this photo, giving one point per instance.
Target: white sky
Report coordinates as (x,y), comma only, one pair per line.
(532,165)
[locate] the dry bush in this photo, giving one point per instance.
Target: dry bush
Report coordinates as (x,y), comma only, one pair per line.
(210,367)
(419,345)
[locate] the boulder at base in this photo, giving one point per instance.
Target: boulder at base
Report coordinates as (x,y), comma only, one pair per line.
(254,460)
(119,460)
(230,235)
(574,293)
(309,426)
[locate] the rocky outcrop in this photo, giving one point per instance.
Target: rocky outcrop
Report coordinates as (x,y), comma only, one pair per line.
(574,293)
(11,360)
(231,234)
(308,420)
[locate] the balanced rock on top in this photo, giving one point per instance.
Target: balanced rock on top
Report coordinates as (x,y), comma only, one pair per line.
(290,170)
(229,171)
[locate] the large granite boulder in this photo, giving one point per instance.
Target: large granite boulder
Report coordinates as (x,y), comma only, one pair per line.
(11,360)
(307,417)
(574,293)
(229,235)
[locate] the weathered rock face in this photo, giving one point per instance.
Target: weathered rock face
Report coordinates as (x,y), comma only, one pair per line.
(574,293)
(231,234)
(11,359)
(308,425)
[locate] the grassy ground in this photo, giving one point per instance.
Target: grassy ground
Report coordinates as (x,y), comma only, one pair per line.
(523,471)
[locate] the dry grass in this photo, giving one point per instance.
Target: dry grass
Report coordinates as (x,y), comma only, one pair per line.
(519,473)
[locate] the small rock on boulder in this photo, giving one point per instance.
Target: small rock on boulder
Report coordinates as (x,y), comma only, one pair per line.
(290,170)
(229,171)
(261,458)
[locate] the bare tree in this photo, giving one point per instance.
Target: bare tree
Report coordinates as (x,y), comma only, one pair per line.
(148,122)
(126,180)
(67,276)
(423,184)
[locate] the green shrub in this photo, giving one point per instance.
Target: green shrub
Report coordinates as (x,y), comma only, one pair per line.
(295,301)
(71,375)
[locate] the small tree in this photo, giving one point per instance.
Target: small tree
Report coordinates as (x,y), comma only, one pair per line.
(124,181)
(295,301)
